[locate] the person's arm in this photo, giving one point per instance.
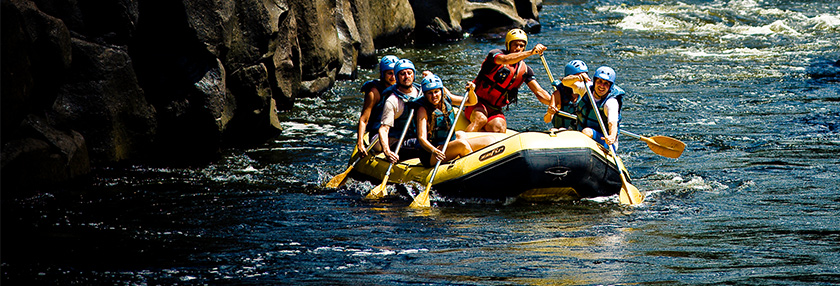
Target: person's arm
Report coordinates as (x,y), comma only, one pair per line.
(371,97)
(472,99)
(542,95)
(578,83)
(512,58)
(611,109)
(388,117)
(422,132)
(572,80)
(383,142)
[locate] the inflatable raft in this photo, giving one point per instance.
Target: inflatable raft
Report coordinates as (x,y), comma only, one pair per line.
(534,166)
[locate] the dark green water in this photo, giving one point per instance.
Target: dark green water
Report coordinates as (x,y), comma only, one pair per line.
(753,88)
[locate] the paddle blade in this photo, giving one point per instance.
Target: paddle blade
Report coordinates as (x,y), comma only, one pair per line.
(665,146)
(422,199)
(339,179)
(379,191)
(629,194)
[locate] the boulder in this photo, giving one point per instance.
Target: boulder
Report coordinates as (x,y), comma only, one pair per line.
(256,112)
(438,20)
(36,53)
(103,101)
(42,155)
(390,22)
(497,16)
(349,37)
(179,79)
(284,54)
(319,46)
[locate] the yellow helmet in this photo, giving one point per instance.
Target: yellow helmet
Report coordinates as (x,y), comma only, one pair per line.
(514,35)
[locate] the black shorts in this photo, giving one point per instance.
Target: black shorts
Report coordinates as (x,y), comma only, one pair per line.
(410,149)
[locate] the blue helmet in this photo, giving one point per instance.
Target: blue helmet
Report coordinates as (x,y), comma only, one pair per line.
(431,82)
(387,63)
(605,73)
(404,64)
(576,67)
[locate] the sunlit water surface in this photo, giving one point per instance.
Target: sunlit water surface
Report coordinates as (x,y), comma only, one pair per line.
(750,86)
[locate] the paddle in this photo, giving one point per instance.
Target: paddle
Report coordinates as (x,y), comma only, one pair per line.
(339,179)
(629,193)
(379,191)
(547,116)
(661,145)
(422,199)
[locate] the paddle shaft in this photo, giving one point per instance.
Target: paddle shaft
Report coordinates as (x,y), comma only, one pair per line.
(338,180)
(652,141)
(451,131)
(405,130)
(628,133)
(547,116)
(625,187)
(375,141)
(422,199)
(657,144)
(545,64)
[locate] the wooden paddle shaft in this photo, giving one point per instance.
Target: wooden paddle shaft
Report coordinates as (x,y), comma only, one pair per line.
(451,131)
(625,185)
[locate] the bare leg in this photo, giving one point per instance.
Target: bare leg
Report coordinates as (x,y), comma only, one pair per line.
(478,119)
(497,124)
(587,131)
(481,142)
(456,148)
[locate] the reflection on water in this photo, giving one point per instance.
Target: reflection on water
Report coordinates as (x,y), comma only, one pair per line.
(750,86)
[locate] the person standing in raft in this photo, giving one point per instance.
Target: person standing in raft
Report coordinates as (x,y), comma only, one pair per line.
(498,82)
(436,116)
(396,103)
(372,91)
(565,98)
(608,98)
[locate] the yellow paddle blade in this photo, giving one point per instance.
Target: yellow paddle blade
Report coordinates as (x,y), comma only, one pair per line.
(422,199)
(665,146)
(339,179)
(379,191)
(629,194)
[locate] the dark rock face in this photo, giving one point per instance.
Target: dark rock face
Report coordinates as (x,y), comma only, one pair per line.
(109,81)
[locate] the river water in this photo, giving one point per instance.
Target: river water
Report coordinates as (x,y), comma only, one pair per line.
(752,87)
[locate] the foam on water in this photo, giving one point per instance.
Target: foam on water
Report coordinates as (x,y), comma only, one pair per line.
(737,19)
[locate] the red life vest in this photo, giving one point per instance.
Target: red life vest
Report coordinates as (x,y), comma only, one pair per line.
(499,86)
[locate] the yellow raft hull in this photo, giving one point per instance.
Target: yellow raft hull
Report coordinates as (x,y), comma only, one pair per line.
(534,166)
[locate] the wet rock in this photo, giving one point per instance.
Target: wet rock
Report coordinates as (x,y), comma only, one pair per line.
(36,53)
(256,112)
(102,100)
(42,155)
(439,20)
(131,79)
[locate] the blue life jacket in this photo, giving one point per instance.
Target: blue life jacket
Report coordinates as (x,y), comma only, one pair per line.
(376,111)
(568,105)
(399,123)
(587,115)
(440,121)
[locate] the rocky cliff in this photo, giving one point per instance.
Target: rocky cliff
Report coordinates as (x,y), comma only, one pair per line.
(98,82)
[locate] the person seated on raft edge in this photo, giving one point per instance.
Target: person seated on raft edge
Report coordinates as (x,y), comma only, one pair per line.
(436,116)
(565,98)
(608,98)
(372,91)
(497,83)
(396,103)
